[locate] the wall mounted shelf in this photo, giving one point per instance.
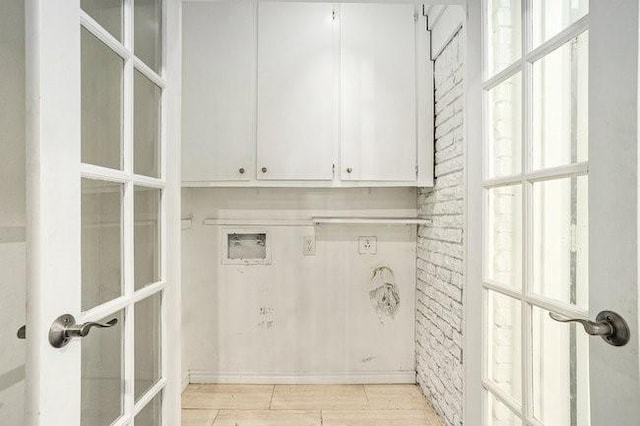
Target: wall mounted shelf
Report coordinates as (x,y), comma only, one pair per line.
(324,220)
(257,222)
(370,220)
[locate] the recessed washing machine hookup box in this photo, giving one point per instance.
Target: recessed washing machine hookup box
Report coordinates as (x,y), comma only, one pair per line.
(246,246)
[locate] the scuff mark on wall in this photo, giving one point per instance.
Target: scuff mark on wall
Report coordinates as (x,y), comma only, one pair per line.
(385,297)
(267,317)
(368,359)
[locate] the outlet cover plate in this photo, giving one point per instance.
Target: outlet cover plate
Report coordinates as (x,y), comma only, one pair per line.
(309,246)
(367,245)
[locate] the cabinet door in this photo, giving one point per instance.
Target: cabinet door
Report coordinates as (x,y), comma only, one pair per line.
(218,93)
(297,58)
(378,92)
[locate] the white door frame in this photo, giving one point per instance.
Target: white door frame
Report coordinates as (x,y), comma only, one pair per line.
(173,210)
(53,214)
(613,185)
(472,82)
(613,175)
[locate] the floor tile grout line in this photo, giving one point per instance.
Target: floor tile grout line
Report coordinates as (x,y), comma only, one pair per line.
(277,410)
(364,389)
(273,391)
(215,418)
(199,409)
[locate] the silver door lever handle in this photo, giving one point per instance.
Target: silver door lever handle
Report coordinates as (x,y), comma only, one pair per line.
(600,328)
(65,328)
(608,325)
(81,330)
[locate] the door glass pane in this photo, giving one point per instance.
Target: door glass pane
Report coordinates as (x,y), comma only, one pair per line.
(101,242)
(561,240)
(504,132)
(147,344)
(560,105)
(503,236)
(146,236)
(503,340)
(552,16)
(147,22)
(101,100)
(146,131)
(151,414)
(499,414)
(102,373)
(560,371)
(504,34)
(108,13)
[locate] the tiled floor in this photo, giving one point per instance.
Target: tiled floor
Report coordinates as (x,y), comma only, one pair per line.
(306,405)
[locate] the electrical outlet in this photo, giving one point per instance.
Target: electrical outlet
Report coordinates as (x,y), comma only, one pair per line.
(309,246)
(367,245)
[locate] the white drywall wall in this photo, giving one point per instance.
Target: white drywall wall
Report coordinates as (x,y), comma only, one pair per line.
(302,318)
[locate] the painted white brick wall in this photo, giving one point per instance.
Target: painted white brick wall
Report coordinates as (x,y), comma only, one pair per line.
(440,263)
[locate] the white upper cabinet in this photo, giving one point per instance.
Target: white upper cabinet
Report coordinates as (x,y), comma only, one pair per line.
(218,94)
(297,68)
(302,93)
(378,99)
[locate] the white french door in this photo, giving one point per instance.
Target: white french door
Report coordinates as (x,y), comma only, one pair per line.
(553,211)
(103,212)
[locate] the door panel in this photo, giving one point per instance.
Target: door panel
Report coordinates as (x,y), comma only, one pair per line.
(101,196)
(53,207)
(146,126)
(297,68)
(147,336)
(560,224)
(560,105)
(559,196)
(613,208)
(504,159)
(102,245)
(108,13)
(560,371)
(146,236)
(219,90)
(378,85)
(151,414)
(535,219)
(102,104)
(103,382)
(147,29)
(550,17)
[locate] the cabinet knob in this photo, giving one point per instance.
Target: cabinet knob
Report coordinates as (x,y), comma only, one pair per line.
(264,170)
(241,170)
(349,170)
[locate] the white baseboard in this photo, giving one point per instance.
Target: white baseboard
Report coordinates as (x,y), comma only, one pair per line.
(383,377)
(185,381)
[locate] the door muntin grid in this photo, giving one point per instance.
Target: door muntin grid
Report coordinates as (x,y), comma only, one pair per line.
(531,208)
(142,201)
